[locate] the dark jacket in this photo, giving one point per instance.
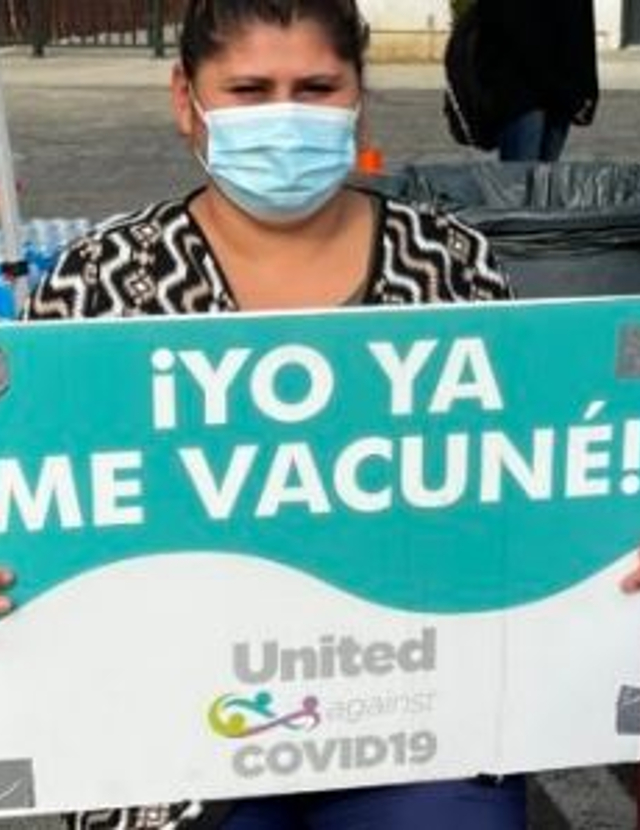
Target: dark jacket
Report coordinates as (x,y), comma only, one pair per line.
(540,54)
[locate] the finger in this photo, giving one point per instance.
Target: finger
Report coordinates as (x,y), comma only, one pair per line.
(631,583)
(6,577)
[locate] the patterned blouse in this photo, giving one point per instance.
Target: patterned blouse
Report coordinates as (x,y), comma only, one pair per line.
(158,261)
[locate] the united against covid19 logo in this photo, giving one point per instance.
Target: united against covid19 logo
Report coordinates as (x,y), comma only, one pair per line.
(233,716)
(249,718)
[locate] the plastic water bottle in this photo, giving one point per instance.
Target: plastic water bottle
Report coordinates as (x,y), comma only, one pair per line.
(7,302)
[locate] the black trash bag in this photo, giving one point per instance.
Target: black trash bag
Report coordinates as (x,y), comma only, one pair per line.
(560,230)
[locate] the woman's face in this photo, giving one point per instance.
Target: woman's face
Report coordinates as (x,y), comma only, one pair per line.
(266,64)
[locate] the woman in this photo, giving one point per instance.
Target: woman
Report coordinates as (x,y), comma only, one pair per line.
(538,58)
(268,95)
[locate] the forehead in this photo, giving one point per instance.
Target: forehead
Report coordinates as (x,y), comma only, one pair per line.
(262,49)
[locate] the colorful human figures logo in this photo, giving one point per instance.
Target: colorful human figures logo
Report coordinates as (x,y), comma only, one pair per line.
(232,716)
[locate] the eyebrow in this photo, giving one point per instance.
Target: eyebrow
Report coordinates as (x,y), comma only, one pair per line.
(326,77)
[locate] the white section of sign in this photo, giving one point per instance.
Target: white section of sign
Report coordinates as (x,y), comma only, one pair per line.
(151,654)
(161,638)
(562,712)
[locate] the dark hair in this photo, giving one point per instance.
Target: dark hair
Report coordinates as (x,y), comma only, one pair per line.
(208,24)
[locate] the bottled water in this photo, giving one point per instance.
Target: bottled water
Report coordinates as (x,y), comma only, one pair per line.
(43,240)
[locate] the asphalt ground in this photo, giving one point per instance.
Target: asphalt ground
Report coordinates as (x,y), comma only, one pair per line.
(87,152)
(92,134)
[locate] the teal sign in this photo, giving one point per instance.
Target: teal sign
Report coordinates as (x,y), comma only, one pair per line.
(441,459)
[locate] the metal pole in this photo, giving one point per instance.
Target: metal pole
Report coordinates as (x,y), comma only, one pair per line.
(38,23)
(14,267)
(157,27)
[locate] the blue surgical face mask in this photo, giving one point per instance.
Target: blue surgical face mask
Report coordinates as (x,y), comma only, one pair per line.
(280,162)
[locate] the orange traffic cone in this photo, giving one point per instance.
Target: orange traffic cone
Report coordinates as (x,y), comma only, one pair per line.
(370,161)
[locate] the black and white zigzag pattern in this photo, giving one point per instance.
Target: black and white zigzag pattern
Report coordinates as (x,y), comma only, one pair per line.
(157,261)
(161,817)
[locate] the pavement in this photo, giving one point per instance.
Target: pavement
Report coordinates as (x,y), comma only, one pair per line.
(96,67)
(92,134)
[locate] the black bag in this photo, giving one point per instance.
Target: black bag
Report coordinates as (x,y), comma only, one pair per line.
(567,229)
(469,106)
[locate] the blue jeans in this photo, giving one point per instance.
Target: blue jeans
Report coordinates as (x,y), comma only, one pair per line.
(448,805)
(533,136)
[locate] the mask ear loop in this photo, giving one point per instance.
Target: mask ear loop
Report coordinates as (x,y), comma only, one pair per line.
(202,115)
(196,104)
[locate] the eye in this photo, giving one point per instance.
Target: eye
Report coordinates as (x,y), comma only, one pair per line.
(249,91)
(320,86)
(316,89)
(246,90)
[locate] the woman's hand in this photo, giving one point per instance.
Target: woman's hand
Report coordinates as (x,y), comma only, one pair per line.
(6,580)
(630,583)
